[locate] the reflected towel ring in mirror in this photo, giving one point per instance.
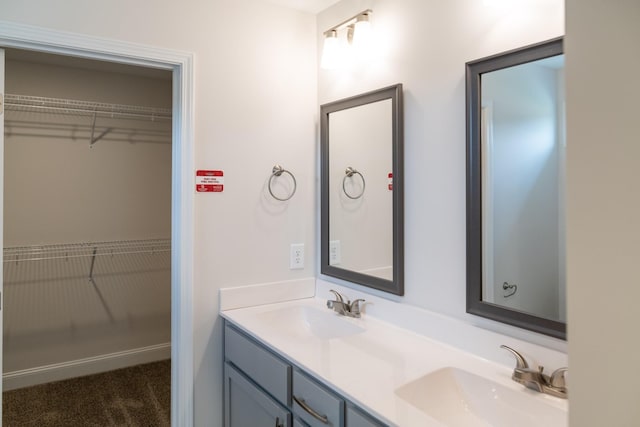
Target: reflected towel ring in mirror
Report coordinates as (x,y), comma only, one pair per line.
(512,288)
(348,173)
(277,171)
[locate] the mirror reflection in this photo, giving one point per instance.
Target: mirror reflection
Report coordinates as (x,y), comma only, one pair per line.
(360,189)
(523,173)
(362,194)
(515,188)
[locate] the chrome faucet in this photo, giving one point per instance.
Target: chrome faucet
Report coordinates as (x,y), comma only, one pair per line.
(345,307)
(554,385)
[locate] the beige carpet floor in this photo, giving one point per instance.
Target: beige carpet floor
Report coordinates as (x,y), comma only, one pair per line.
(139,396)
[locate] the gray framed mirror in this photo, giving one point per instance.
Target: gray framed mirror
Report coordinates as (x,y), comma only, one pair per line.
(515,188)
(362,216)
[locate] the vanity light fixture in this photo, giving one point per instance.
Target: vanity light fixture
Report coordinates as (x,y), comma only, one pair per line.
(330,50)
(357,35)
(361,33)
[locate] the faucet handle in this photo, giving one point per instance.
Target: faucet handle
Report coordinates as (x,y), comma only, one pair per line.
(557,378)
(520,362)
(338,296)
(355,307)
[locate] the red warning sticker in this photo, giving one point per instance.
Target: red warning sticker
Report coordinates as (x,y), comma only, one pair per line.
(390,184)
(209,181)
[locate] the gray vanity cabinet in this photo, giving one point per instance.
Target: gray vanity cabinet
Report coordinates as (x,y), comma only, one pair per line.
(247,405)
(263,389)
(355,418)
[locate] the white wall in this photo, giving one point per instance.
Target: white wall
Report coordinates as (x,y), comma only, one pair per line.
(602,68)
(255,79)
(60,190)
(424,45)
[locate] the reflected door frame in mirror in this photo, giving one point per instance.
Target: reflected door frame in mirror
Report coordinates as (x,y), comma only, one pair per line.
(396,284)
(475,303)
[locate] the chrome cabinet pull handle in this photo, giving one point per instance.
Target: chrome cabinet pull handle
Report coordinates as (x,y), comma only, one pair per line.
(309,409)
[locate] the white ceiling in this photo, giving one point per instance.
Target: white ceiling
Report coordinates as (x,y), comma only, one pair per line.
(312,6)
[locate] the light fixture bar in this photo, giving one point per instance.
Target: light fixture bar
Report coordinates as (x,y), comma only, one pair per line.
(348,22)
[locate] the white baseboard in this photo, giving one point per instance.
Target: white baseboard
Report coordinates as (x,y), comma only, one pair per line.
(88,366)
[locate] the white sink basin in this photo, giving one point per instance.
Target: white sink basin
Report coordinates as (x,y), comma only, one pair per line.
(310,322)
(458,398)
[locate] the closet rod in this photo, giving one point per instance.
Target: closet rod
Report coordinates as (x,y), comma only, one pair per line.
(83,250)
(85,108)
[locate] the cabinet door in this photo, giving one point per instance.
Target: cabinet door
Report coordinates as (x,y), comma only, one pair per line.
(246,405)
(355,418)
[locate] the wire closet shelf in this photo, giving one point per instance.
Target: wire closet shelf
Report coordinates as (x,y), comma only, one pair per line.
(39,104)
(86,249)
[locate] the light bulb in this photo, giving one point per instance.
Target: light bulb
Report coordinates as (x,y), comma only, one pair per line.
(330,51)
(362,32)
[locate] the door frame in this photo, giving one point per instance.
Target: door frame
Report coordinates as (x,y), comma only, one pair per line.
(20,36)
(2,108)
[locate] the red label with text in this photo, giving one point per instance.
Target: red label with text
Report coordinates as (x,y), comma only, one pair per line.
(209,181)
(390,181)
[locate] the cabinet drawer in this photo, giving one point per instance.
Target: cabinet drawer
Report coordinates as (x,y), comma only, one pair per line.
(314,404)
(267,370)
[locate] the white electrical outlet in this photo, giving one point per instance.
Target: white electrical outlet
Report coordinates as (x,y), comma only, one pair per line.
(334,252)
(296,259)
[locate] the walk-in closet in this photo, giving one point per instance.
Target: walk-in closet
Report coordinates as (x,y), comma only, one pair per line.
(87,253)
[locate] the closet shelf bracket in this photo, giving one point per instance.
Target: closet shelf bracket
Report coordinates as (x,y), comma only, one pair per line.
(93,262)
(95,286)
(93,129)
(93,139)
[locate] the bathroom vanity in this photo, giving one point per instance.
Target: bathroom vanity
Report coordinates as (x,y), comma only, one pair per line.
(264,389)
(297,363)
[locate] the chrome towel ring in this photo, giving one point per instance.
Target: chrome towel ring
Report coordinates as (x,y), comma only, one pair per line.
(277,171)
(349,173)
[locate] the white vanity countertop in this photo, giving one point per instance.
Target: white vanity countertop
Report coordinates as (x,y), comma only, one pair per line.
(370,366)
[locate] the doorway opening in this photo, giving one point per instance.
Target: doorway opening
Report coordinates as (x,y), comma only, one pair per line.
(87,241)
(180,65)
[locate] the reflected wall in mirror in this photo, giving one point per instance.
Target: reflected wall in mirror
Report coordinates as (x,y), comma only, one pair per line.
(515,188)
(360,196)
(362,191)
